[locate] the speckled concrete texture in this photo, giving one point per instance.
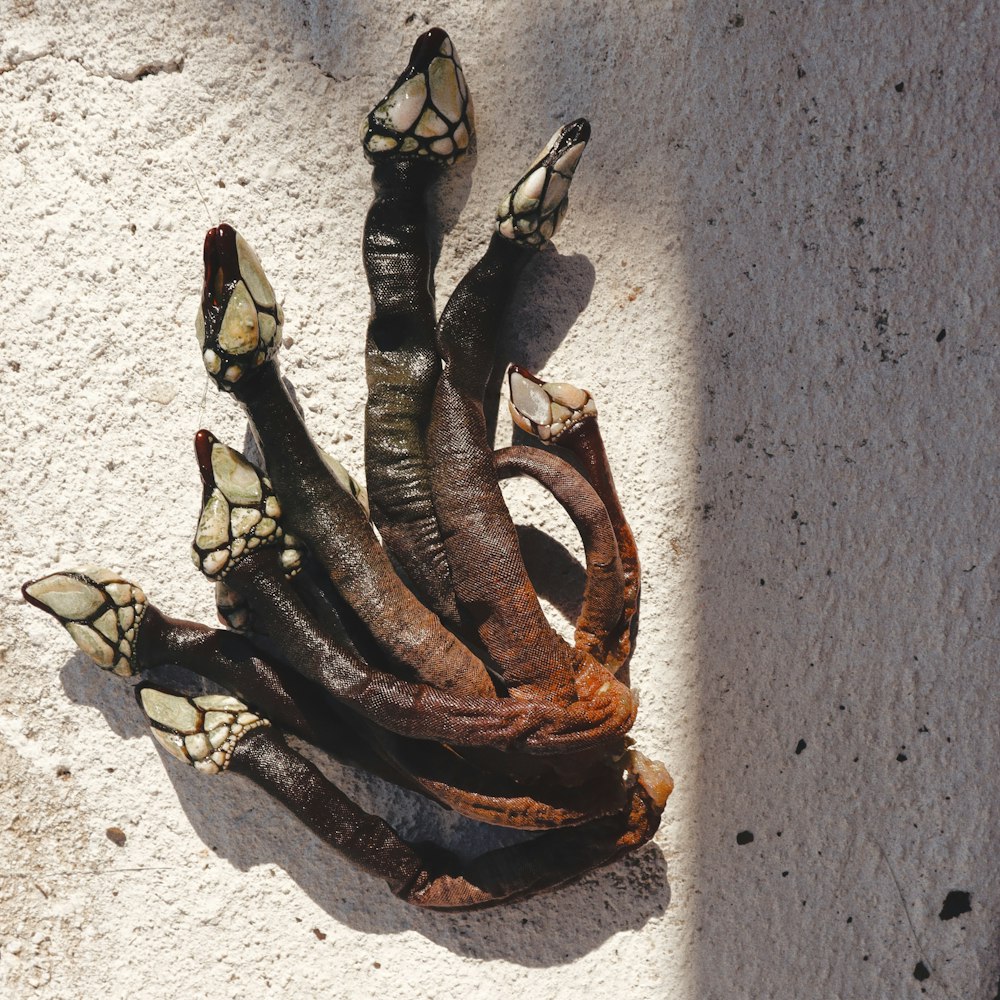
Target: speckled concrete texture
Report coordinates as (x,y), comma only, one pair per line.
(778,278)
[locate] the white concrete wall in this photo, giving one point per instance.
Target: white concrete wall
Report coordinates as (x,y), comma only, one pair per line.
(778,278)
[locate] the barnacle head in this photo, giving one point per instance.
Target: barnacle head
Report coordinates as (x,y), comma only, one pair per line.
(201,731)
(428,112)
(531,212)
(239,512)
(101,610)
(239,321)
(547,410)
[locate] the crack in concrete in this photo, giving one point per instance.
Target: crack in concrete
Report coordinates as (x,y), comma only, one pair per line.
(153,68)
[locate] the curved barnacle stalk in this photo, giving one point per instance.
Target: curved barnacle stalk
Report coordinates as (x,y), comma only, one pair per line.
(603,597)
(427,112)
(100,610)
(560,413)
(239,322)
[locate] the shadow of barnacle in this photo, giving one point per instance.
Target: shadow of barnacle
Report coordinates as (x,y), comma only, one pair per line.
(530,932)
(555,573)
(249,830)
(448,200)
(84,684)
(535,933)
(549,299)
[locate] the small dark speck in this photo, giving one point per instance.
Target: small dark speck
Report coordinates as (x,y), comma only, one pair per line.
(800,746)
(901,757)
(116,835)
(850,920)
(62,771)
(956,903)
(800,72)
(744,837)
(376,965)
(410,19)
(15,366)
(762,583)
(921,972)
(784,874)
(900,87)
(320,936)
(131,228)
(942,333)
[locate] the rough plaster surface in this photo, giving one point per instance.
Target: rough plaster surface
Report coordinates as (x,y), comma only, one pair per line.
(777,276)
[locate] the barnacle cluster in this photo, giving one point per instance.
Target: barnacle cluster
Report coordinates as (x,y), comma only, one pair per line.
(418,651)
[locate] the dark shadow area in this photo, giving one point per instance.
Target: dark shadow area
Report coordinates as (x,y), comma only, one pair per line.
(238,822)
(553,569)
(833,336)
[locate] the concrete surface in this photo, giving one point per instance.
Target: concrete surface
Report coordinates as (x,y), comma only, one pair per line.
(778,278)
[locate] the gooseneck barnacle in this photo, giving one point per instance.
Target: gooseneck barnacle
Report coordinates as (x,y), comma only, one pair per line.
(446,678)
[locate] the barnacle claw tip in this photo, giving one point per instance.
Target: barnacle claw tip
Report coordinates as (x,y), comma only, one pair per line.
(239,321)
(546,409)
(201,731)
(239,511)
(427,114)
(203,442)
(100,609)
(426,47)
(531,212)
